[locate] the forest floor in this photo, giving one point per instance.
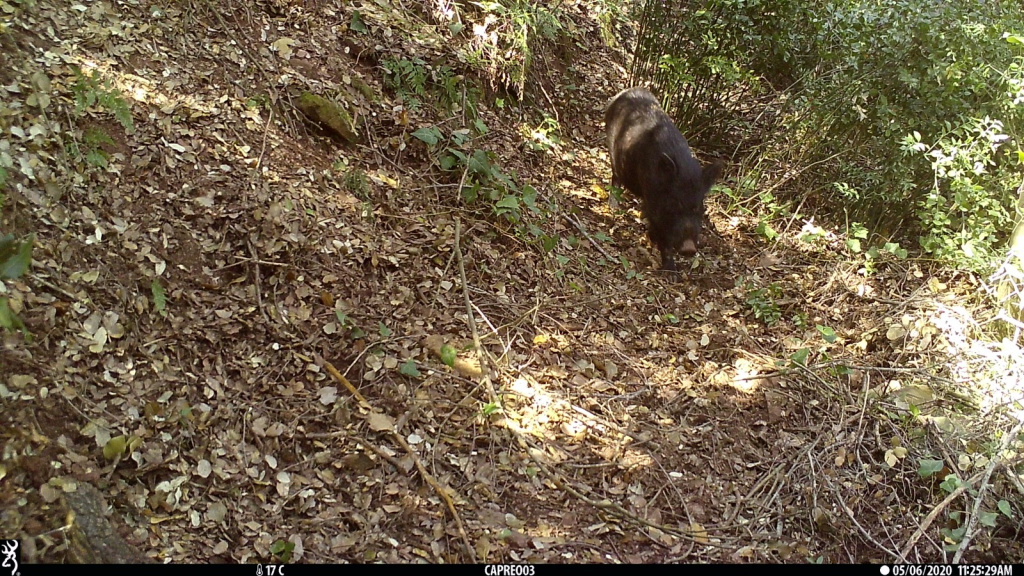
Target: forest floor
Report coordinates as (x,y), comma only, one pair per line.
(197,277)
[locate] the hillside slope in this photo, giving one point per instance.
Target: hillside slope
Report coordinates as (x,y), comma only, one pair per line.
(200,271)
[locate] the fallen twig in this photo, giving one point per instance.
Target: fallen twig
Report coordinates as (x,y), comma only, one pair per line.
(972,523)
(485,358)
(427,476)
(591,240)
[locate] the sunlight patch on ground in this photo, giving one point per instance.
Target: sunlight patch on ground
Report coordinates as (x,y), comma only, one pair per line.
(541,414)
(537,409)
(992,371)
(541,137)
(812,230)
(635,458)
(488,37)
(594,192)
(155,94)
(444,10)
(539,399)
(746,379)
(144,90)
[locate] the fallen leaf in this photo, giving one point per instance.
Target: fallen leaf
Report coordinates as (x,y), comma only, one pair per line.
(380,422)
(328,395)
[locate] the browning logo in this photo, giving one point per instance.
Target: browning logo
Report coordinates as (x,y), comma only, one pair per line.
(9,558)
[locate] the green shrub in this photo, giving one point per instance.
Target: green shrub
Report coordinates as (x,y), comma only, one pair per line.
(484,178)
(415,82)
(92,90)
(504,52)
(911,131)
(965,215)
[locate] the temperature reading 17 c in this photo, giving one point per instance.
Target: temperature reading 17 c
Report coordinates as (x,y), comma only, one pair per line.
(270,570)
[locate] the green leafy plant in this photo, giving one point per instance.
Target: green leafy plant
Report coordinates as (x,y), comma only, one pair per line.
(914,130)
(415,82)
(762,302)
(876,254)
(448,89)
(93,141)
(827,333)
(628,267)
(15,256)
(346,323)
(448,355)
(544,137)
(800,319)
(354,181)
(765,230)
(770,208)
(616,192)
(409,368)
(547,241)
(965,212)
(357,24)
(484,177)
(261,101)
(855,233)
(282,550)
(92,90)
(15,260)
(159,297)
(430,135)
(799,358)
(408,78)
(928,467)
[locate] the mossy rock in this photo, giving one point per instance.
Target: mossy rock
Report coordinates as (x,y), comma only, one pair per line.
(333,117)
(365,89)
(90,536)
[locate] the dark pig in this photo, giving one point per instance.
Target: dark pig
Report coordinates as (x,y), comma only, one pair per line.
(651,159)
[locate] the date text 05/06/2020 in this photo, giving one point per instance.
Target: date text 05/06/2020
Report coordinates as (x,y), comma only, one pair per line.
(950,570)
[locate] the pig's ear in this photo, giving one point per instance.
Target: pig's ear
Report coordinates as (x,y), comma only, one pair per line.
(667,164)
(710,173)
